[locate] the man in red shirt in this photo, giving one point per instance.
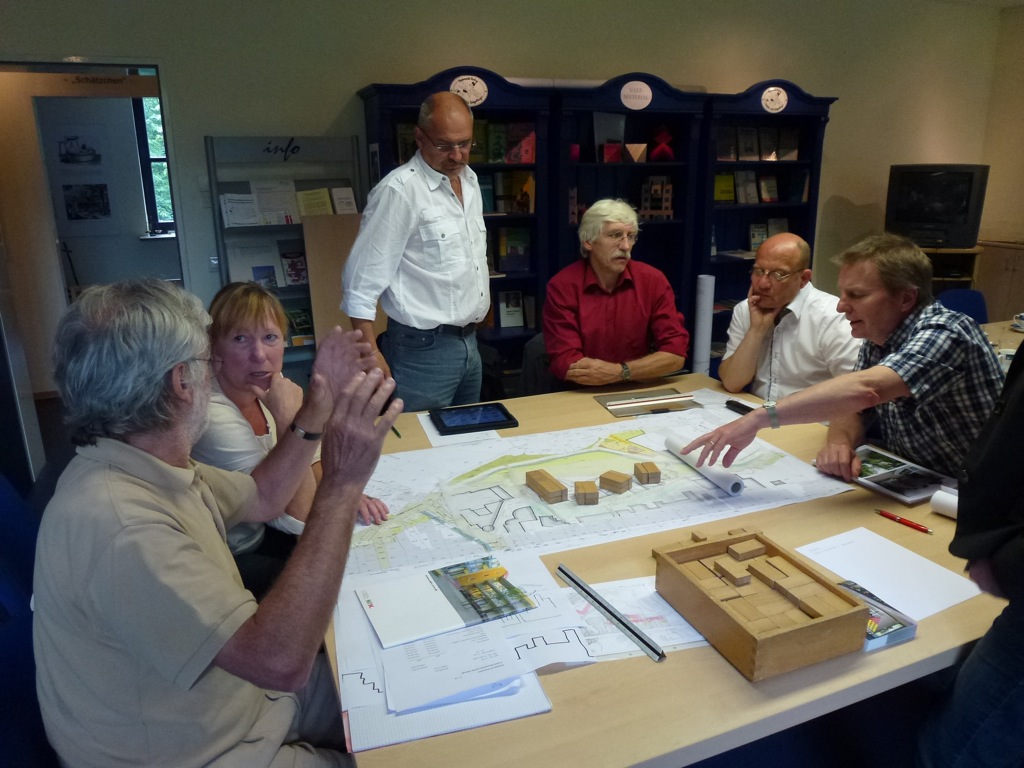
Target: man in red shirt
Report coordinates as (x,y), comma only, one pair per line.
(607,318)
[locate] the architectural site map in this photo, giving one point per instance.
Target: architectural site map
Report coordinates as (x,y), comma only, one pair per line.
(458,502)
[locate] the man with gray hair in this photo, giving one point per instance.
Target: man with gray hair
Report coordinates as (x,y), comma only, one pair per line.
(609,319)
(149,650)
(926,375)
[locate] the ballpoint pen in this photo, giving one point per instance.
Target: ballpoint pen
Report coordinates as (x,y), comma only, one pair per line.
(395,430)
(904,521)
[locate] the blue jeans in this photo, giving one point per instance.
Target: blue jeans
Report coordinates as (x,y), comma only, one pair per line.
(981,720)
(432,369)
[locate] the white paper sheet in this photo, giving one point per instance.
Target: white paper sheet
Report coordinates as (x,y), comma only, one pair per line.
(437,439)
(908,582)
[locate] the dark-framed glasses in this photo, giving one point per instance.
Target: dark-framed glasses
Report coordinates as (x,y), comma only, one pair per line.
(775,276)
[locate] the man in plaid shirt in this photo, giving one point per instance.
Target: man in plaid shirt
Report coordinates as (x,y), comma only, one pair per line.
(926,376)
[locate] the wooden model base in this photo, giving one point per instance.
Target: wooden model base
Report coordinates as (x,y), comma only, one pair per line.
(545,486)
(763,609)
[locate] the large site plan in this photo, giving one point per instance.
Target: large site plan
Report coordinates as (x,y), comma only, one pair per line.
(455,503)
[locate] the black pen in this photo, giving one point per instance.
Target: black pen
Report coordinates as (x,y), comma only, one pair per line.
(397,433)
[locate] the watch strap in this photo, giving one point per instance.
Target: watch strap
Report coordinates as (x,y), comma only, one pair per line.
(304,434)
(773,415)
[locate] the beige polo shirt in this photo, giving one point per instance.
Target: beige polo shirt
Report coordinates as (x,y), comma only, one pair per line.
(135,593)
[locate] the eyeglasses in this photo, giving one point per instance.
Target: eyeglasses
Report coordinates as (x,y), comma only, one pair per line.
(776,277)
(445,148)
(213,362)
(618,236)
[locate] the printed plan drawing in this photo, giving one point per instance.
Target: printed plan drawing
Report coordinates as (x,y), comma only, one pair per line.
(454,503)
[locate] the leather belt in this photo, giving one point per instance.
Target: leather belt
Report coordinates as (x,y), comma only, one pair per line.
(446,330)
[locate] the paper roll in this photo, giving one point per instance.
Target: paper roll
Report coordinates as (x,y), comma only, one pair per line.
(945,503)
(728,481)
(705,310)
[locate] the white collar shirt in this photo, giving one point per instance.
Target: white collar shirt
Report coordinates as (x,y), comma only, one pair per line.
(420,251)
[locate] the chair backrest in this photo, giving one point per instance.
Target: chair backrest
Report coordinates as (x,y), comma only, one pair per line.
(22,736)
(966,300)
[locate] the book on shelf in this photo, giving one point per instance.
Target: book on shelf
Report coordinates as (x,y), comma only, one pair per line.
(768,187)
(777,225)
(300,321)
(314,202)
(609,128)
(486,181)
(504,194)
(478,152)
(510,309)
(896,477)
(276,201)
(422,605)
(886,625)
(768,139)
(513,249)
(746,141)
(524,192)
(530,311)
(293,265)
(260,263)
(789,144)
(726,143)
(521,143)
(344,200)
(733,255)
(725,188)
(497,142)
(239,210)
(405,141)
(746,187)
(758,234)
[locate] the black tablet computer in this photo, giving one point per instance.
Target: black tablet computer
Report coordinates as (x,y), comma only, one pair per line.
(472,418)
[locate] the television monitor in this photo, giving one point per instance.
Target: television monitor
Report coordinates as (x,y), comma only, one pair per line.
(936,206)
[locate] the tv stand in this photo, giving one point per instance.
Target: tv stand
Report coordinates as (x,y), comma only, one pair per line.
(953,267)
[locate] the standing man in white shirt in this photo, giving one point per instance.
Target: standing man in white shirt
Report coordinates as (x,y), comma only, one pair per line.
(421,251)
(787,335)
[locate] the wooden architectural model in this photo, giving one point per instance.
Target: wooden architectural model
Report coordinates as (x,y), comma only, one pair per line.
(545,486)
(586,492)
(616,482)
(647,473)
(761,607)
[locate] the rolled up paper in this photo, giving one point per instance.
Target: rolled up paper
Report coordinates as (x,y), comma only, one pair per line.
(944,502)
(705,312)
(728,481)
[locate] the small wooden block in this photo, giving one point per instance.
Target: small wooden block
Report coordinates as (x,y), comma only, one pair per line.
(815,607)
(647,472)
(745,609)
(745,550)
(616,482)
(779,605)
(784,565)
(761,625)
(783,620)
(636,153)
(733,571)
(796,589)
(697,569)
(698,536)
(709,563)
(545,486)
(798,616)
(722,592)
(765,571)
(586,492)
(747,589)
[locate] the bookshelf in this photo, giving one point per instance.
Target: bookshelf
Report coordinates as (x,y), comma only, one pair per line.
(511,128)
(637,138)
(256,184)
(762,172)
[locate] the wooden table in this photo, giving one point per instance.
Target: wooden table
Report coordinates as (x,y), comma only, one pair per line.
(695,704)
(1002,335)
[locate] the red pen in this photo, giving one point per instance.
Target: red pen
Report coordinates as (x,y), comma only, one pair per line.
(904,521)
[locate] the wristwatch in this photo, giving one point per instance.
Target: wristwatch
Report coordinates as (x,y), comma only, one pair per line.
(304,434)
(773,415)
(626,372)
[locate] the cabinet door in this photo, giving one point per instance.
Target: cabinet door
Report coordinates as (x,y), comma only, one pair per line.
(999,275)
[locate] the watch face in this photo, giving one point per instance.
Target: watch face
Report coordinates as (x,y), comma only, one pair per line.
(471,88)
(774,99)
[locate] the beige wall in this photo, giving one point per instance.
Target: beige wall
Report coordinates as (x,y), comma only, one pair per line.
(914,78)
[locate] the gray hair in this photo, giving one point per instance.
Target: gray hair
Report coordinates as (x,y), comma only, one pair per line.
(900,263)
(112,353)
(599,214)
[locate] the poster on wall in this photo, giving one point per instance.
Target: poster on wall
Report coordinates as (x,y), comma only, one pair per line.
(84,197)
(79,149)
(86,202)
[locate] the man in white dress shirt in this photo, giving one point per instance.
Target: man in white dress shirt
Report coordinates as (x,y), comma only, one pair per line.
(421,251)
(787,335)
